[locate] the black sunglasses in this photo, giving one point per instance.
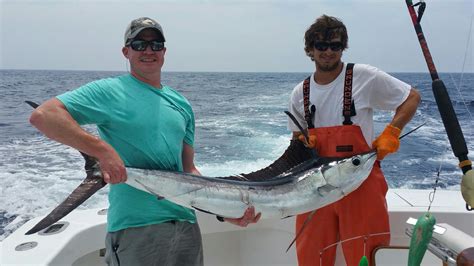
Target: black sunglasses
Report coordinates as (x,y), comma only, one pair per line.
(141,45)
(323,46)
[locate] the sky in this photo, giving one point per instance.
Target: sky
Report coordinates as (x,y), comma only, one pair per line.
(232,36)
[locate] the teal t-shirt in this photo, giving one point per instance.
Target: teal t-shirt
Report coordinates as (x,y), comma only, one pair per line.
(147,127)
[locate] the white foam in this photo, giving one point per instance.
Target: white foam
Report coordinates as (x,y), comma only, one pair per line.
(275,146)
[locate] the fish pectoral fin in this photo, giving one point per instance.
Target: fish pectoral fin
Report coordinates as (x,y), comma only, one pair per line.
(186,192)
(326,189)
(160,197)
(202,210)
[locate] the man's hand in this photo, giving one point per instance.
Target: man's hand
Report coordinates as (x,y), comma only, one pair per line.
(248,218)
(112,167)
(311,143)
(387,142)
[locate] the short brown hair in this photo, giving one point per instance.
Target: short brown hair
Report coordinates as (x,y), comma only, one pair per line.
(324,29)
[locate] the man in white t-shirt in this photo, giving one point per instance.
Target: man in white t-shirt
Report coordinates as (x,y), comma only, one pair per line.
(336,106)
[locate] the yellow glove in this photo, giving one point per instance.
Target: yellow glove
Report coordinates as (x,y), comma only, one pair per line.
(312,140)
(467,187)
(387,142)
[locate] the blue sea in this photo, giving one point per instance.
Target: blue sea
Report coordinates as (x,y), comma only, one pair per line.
(240,127)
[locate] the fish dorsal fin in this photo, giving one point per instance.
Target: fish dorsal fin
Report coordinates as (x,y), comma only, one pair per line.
(294,155)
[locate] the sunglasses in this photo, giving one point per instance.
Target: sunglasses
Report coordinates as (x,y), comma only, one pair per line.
(141,45)
(323,46)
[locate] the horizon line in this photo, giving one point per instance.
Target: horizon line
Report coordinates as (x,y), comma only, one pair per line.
(211,71)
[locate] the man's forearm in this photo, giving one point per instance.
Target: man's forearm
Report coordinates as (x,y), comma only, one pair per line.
(188,160)
(406,110)
(53,120)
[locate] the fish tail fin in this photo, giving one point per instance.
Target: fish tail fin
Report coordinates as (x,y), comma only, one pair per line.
(91,163)
(85,190)
(92,183)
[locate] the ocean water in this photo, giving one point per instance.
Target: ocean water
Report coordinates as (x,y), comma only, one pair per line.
(240,127)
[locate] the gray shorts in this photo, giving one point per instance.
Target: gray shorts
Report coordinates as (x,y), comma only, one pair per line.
(169,243)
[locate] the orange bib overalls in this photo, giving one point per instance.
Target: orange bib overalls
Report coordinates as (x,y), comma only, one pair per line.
(361,213)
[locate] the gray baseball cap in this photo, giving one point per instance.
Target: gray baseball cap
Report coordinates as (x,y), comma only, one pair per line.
(139,24)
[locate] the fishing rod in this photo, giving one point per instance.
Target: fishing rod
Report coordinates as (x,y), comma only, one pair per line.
(445,106)
(424,225)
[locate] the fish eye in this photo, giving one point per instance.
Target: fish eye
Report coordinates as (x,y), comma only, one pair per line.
(356,161)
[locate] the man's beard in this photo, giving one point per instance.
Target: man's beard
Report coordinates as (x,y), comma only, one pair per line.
(327,68)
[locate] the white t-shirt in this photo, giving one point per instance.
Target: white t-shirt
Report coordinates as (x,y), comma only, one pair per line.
(371,89)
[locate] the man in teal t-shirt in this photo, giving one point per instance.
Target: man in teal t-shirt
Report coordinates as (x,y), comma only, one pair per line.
(142,124)
(147,132)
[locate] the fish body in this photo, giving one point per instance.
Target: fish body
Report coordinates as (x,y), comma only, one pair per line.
(297,182)
(308,186)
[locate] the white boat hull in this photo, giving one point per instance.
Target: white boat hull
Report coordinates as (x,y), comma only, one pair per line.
(264,243)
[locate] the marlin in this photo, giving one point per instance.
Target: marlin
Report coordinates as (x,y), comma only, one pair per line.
(308,186)
(297,182)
